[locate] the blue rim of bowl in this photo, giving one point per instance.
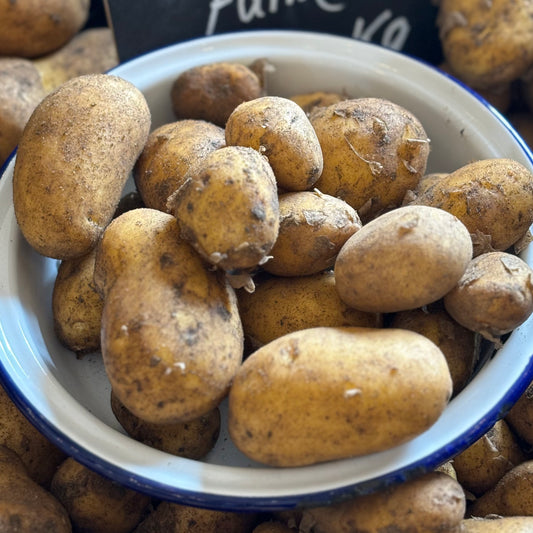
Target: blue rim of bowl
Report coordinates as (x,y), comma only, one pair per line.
(237,503)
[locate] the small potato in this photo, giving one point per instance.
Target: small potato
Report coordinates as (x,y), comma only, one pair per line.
(493,198)
(309,101)
(498,524)
(171,334)
(31,28)
(193,439)
(25,506)
(295,403)
(280,130)
(486,44)
(520,416)
(239,182)
(313,227)
(76,305)
(211,92)
(21,90)
(91,51)
(458,344)
(483,463)
(74,157)
(511,496)
(169,153)
(171,517)
(38,454)
(494,295)
(374,151)
(272,526)
(404,259)
(279,306)
(95,503)
(431,503)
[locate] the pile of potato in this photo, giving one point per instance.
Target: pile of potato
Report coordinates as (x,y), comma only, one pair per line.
(262,230)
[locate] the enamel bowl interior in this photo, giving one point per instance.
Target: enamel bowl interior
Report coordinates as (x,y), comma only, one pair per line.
(67,398)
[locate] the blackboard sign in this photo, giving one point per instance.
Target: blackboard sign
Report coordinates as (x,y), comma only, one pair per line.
(143,25)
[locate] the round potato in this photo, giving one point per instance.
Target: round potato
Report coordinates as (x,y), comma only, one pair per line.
(73,160)
(312,229)
(280,130)
(168,155)
(520,416)
(321,394)
(309,101)
(494,295)
(211,92)
(239,182)
(498,524)
(374,151)
(403,259)
(493,198)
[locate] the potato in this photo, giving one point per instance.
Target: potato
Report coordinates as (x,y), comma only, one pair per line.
(484,462)
(76,305)
(211,92)
(171,334)
(279,306)
(91,51)
(30,28)
(169,153)
(404,259)
(25,506)
(520,416)
(448,469)
(487,44)
(374,151)
(175,518)
(492,197)
(511,496)
(458,344)
(192,439)
(312,229)
(73,160)
(272,526)
(433,502)
(38,454)
(309,101)
(498,524)
(21,90)
(295,403)
(280,130)
(493,296)
(238,182)
(96,503)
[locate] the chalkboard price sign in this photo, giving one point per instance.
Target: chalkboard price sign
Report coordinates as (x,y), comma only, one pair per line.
(143,25)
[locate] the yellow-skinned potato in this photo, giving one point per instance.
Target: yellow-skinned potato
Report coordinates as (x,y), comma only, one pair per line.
(494,295)
(238,182)
(431,503)
(91,51)
(76,305)
(520,416)
(169,153)
(312,229)
(193,439)
(279,129)
(458,344)
(21,90)
(309,101)
(498,524)
(175,518)
(294,403)
(211,92)
(25,506)
(38,454)
(483,463)
(279,306)
(486,44)
(96,503)
(374,151)
(73,160)
(493,198)
(31,28)
(511,496)
(404,259)
(171,334)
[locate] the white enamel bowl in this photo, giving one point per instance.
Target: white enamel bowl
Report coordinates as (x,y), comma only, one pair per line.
(68,398)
